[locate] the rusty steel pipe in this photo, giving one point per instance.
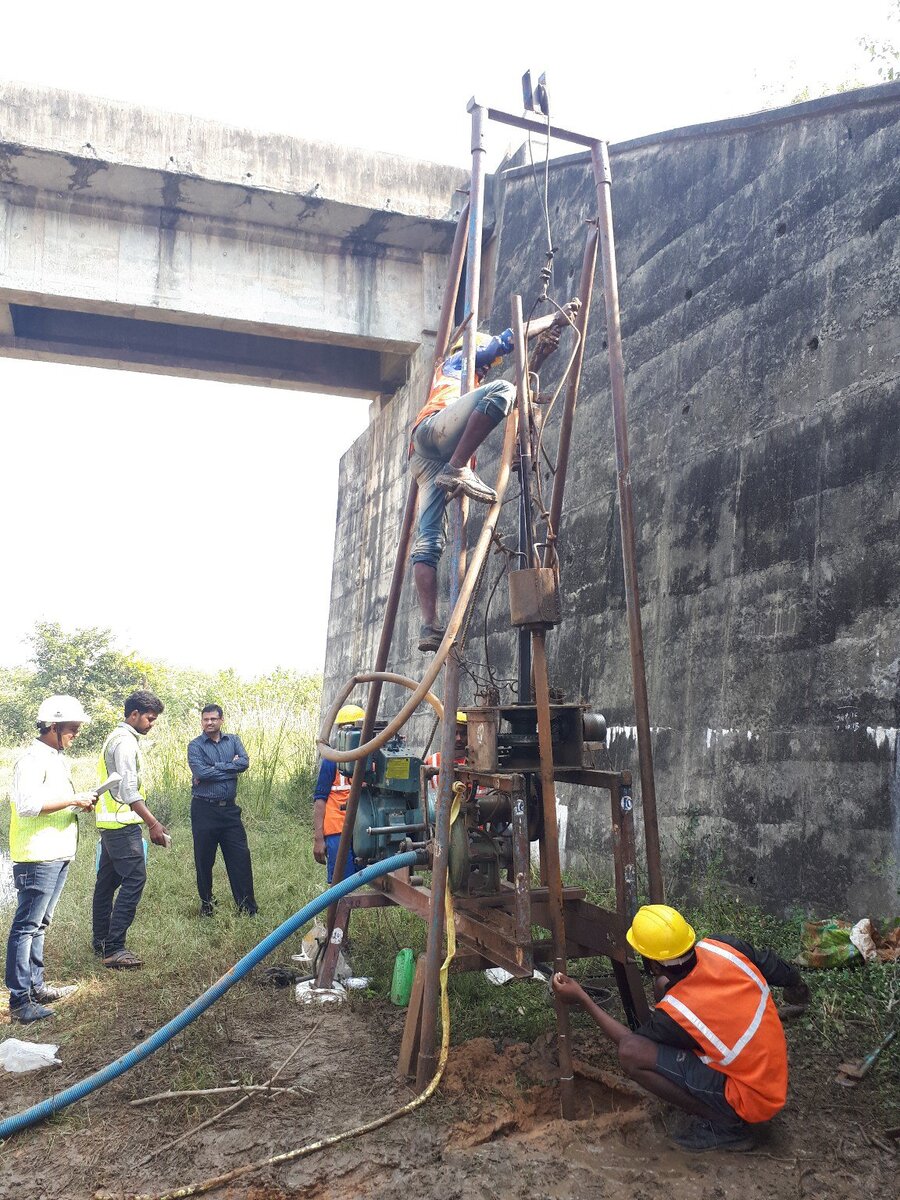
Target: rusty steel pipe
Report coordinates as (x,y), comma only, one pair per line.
(554,872)
(451,288)
(603,181)
(384,647)
(445,324)
(459,577)
(585,291)
(526,530)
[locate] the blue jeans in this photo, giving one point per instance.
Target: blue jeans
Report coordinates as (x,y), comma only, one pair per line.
(39,886)
(433,443)
(332,841)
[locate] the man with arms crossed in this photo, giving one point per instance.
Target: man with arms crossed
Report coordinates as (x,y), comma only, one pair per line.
(216,759)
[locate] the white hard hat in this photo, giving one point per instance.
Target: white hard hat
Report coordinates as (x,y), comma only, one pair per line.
(61,708)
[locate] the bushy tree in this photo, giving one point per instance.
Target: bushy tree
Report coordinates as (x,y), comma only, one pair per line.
(82,663)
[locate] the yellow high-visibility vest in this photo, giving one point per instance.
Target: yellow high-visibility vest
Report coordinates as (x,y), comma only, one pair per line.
(109,811)
(43,838)
(47,835)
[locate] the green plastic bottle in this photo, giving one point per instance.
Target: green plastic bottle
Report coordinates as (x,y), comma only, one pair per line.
(401,984)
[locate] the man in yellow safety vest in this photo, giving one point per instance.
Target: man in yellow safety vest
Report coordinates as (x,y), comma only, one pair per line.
(43,837)
(121,812)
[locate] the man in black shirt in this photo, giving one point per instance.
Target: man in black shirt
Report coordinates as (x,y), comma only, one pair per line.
(216,759)
(714,1046)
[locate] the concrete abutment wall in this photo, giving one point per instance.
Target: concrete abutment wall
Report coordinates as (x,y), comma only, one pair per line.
(759,269)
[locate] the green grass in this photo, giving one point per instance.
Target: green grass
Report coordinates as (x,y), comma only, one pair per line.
(851,1010)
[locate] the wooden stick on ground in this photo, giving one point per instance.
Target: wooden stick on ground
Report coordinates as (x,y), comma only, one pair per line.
(231,1107)
(218,1091)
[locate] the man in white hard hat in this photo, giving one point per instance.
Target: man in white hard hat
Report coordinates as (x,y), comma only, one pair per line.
(43,838)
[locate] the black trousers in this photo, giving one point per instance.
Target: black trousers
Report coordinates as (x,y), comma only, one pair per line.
(123,868)
(214,826)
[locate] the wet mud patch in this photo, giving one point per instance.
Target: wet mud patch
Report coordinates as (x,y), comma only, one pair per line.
(513,1092)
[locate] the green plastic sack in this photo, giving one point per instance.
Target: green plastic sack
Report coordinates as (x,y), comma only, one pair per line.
(826,944)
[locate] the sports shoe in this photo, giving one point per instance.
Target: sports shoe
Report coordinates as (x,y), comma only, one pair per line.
(464,479)
(29,1012)
(700,1135)
(122,960)
(430,637)
(49,995)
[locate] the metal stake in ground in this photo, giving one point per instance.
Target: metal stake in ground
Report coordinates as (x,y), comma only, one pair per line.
(554,872)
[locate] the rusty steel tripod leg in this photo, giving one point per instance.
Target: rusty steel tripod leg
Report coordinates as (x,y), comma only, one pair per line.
(603,181)
(554,872)
(585,292)
(384,647)
(445,325)
(433,954)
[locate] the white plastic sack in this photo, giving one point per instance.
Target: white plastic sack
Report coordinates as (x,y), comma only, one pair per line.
(27,1056)
(306,992)
(861,937)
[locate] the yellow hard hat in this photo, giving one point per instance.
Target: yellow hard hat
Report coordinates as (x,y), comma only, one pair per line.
(660,932)
(350,714)
(481,340)
(462,718)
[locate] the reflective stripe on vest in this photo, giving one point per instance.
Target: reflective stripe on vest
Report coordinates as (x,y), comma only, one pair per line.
(748,1043)
(336,805)
(727,1055)
(43,838)
(109,812)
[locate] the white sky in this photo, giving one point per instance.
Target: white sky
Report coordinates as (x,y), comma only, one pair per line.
(235,559)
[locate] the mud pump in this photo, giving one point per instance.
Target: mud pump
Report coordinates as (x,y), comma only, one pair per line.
(491,839)
(389,818)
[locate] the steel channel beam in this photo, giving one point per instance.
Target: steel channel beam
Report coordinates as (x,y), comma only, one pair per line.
(554,874)
(434,948)
(521,869)
(585,291)
(603,182)
(535,126)
(628,901)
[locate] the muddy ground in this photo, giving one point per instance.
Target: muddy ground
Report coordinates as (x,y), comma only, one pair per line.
(492,1132)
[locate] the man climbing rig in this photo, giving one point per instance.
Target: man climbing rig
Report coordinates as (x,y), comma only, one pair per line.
(444,437)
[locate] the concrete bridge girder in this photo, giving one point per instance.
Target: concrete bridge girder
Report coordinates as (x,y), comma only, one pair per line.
(129,263)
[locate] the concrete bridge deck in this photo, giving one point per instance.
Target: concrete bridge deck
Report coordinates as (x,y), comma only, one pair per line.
(158,242)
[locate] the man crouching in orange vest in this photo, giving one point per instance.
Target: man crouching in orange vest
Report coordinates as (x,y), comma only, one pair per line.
(714,1047)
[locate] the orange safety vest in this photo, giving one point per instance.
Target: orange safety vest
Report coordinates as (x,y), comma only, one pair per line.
(725,1005)
(336,804)
(434,760)
(444,390)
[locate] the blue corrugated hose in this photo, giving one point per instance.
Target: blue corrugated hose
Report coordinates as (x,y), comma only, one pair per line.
(79,1090)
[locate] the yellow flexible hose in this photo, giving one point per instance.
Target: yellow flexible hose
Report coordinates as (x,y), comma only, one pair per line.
(454,625)
(196,1189)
